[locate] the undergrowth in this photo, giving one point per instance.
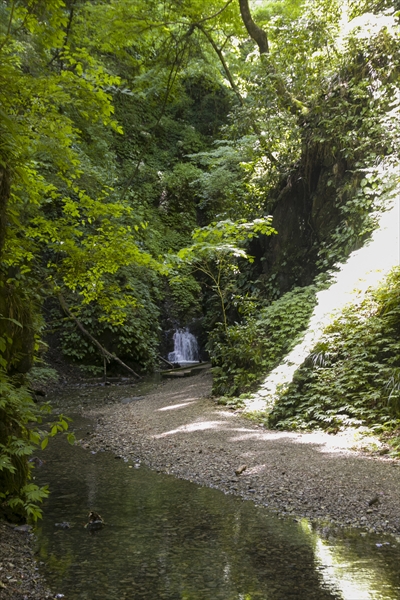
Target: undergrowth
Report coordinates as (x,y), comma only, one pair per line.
(20,436)
(41,375)
(352,376)
(243,354)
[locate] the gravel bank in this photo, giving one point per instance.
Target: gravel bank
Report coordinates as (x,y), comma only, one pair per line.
(19,575)
(178,429)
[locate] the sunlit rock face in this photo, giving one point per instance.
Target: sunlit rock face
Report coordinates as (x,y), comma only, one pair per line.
(306,211)
(365,268)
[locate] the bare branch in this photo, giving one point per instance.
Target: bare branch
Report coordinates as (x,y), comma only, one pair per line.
(105,353)
(165,361)
(216,14)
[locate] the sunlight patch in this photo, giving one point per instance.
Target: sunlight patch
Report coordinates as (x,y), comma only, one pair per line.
(364,269)
(173,406)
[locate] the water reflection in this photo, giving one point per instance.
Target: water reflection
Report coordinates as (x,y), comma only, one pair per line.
(360,569)
(170,539)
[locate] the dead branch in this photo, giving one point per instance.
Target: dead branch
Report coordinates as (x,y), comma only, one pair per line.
(103,350)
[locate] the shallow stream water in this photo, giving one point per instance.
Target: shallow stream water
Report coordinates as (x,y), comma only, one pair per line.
(170,539)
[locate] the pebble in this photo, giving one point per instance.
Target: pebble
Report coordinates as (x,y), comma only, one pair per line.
(19,576)
(240,469)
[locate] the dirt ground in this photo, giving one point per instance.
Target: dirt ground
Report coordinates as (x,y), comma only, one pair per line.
(19,574)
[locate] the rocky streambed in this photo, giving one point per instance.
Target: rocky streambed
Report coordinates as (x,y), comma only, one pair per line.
(179,430)
(176,428)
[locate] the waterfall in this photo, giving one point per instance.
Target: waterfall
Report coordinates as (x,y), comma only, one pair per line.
(185,347)
(365,268)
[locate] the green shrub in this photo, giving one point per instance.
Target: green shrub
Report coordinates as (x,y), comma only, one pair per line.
(248,352)
(135,340)
(19,438)
(352,376)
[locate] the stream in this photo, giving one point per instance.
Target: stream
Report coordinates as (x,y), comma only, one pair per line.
(166,538)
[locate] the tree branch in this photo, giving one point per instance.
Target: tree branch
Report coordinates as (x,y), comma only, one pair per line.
(221,57)
(67,32)
(254,31)
(295,106)
(180,53)
(4,197)
(234,87)
(217,13)
(165,361)
(9,26)
(105,353)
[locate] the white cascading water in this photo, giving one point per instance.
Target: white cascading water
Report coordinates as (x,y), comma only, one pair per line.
(364,269)
(186,349)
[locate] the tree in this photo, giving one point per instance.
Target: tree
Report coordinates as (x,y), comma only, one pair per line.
(216,250)
(54,235)
(220,104)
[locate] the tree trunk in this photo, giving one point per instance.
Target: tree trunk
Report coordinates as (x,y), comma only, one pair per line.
(4,196)
(254,31)
(295,106)
(235,89)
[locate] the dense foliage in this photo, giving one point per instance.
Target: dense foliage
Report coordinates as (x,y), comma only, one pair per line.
(143,146)
(348,167)
(352,376)
(19,497)
(244,353)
